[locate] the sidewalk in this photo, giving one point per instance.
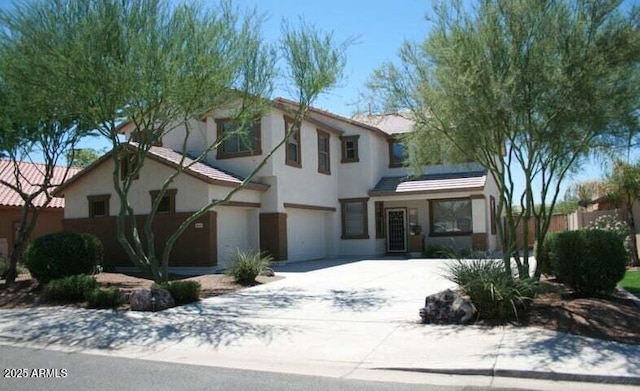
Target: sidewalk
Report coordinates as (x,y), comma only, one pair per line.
(297,326)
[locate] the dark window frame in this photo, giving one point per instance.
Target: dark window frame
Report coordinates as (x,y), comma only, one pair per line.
(125,165)
(394,163)
(381,231)
(295,136)
(322,135)
(344,140)
(171,194)
(257,147)
(432,223)
(92,199)
(343,217)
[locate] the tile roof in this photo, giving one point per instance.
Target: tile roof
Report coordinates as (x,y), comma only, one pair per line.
(31,174)
(434,183)
(200,170)
(168,157)
(388,123)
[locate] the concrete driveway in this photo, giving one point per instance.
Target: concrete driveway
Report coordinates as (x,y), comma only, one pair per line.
(355,319)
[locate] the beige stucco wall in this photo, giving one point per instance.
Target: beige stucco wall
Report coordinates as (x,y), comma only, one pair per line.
(191,193)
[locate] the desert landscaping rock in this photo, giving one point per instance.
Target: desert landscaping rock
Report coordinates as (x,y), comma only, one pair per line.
(267,272)
(151,300)
(447,307)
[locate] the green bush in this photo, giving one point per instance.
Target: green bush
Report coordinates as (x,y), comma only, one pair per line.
(247,265)
(104,298)
(621,228)
(183,292)
(590,261)
(63,254)
(70,289)
(4,265)
(495,294)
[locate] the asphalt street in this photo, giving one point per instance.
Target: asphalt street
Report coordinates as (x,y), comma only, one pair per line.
(52,371)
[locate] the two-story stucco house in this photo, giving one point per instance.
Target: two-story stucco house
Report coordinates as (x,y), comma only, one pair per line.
(337,188)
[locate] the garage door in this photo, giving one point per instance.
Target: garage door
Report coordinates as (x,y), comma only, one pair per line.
(234,232)
(306,234)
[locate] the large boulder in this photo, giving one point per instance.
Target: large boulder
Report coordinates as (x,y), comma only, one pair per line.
(151,300)
(447,307)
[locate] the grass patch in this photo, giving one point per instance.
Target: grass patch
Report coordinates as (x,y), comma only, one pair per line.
(631,282)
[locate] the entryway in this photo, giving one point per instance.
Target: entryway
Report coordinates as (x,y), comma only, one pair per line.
(396,230)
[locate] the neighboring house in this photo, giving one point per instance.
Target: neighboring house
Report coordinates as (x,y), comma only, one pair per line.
(337,188)
(49,218)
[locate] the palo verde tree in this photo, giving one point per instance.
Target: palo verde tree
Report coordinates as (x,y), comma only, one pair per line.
(523,87)
(36,125)
(160,66)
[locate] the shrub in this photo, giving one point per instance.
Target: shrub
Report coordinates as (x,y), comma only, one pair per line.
(63,254)
(104,298)
(495,293)
(70,289)
(183,292)
(4,265)
(590,261)
(620,228)
(247,265)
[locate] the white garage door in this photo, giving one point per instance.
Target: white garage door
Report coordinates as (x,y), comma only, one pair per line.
(236,228)
(306,234)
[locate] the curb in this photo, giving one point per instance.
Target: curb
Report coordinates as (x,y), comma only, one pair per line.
(524,374)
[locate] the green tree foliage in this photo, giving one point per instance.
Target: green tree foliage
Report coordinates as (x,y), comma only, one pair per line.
(623,187)
(83,157)
(523,87)
(39,121)
(160,66)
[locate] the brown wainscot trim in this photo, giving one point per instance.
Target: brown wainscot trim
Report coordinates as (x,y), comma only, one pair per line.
(309,207)
(241,204)
(479,241)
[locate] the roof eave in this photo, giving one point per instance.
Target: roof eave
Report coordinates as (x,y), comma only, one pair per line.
(388,193)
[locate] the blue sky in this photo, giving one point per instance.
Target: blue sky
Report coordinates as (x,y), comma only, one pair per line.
(379,27)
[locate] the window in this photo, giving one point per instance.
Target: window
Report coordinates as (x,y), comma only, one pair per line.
(293,151)
(239,139)
(147,138)
(380,231)
(450,217)
(350,149)
(354,218)
(396,154)
(492,205)
(99,205)
(128,164)
(324,155)
(167,203)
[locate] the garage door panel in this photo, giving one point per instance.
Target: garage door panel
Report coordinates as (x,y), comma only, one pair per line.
(306,234)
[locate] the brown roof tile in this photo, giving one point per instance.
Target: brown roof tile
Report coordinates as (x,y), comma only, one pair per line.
(30,176)
(434,183)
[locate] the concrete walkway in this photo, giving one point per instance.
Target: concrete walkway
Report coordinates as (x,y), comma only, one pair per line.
(335,318)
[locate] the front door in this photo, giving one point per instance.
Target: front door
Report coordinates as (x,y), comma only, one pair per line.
(397,230)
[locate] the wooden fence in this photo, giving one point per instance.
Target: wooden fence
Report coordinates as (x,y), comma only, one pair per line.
(558,223)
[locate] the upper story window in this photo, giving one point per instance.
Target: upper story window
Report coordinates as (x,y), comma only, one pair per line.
(238,139)
(450,217)
(167,203)
(397,153)
(324,154)
(350,149)
(146,138)
(293,152)
(99,205)
(128,165)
